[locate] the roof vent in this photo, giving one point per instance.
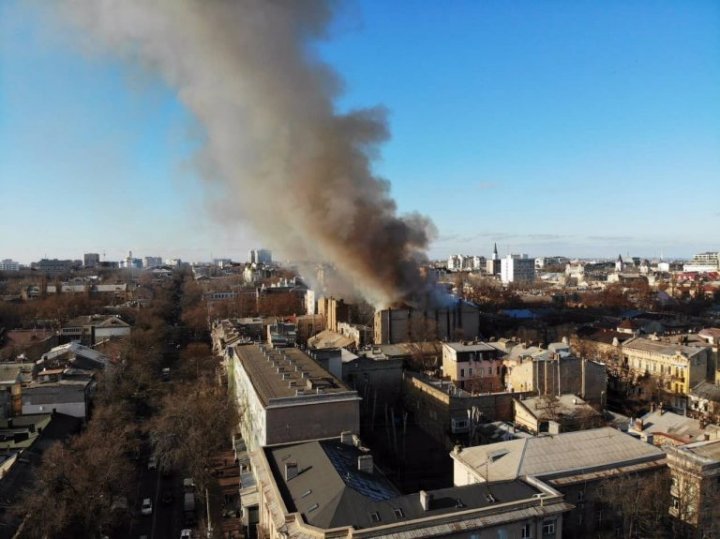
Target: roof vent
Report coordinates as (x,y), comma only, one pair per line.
(291,470)
(365,464)
(346,437)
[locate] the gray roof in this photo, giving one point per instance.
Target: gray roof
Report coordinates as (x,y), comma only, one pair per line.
(661,347)
(55,393)
(466,346)
(555,455)
(675,425)
(286,372)
(709,451)
(706,390)
(330,492)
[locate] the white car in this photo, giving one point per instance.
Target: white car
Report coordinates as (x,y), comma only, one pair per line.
(152,463)
(186,533)
(146,508)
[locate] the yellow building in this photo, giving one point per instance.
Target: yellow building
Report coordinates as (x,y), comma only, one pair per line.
(677,367)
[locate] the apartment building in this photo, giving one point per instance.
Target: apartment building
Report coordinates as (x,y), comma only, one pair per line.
(477,365)
(576,464)
(678,367)
(284,396)
(331,489)
(695,486)
(517,269)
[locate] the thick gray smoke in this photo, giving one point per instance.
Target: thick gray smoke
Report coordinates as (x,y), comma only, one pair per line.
(276,150)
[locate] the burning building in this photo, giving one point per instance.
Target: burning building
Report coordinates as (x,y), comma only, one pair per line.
(459,320)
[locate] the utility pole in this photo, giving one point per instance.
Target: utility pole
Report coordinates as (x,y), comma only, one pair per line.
(207,505)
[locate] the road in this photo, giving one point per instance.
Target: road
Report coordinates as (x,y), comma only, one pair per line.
(166,519)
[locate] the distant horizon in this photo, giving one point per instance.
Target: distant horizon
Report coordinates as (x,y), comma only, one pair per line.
(280,260)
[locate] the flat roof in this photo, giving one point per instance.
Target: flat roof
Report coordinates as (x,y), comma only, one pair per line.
(286,372)
(660,347)
(470,346)
(561,454)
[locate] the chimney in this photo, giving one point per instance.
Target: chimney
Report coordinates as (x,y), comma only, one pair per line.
(425,500)
(346,437)
(291,470)
(365,464)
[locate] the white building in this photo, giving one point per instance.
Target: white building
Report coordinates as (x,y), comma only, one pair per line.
(517,269)
(704,262)
(153,261)
(260,256)
(9,265)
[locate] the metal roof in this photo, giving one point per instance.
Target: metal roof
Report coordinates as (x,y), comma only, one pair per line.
(565,453)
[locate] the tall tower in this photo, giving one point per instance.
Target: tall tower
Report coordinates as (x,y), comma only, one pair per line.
(495,253)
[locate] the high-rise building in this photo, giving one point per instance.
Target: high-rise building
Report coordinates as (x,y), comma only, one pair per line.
(260,256)
(152,261)
(517,269)
(704,262)
(9,265)
(91,260)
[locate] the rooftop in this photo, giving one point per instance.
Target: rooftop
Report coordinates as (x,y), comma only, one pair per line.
(329,490)
(660,347)
(286,372)
(560,454)
(466,346)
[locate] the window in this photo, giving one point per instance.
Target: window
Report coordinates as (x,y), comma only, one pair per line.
(375,517)
(675,502)
(525,532)
(549,527)
(398,512)
(462,373)
(470,372)
(581,496)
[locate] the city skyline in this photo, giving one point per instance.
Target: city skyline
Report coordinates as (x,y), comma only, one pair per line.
(569,130)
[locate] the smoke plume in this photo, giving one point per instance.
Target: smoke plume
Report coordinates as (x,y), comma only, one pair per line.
(275,148)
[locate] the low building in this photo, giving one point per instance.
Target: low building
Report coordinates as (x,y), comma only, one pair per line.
(476,366)
(663,428)
(73,355)
(94,328)
(448,413)
(331,489)
(552,373)
(555,414)
(69,397)
(575,463)
(677,367)
(284,396)
(695,486)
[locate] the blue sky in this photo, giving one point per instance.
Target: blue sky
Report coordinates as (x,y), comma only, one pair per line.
(573,128)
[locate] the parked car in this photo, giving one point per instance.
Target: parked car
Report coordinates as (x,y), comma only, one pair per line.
(146,508)
(152,463)
(186,534)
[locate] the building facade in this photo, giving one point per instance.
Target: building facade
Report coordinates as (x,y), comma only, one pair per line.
(517,269)
(284,396)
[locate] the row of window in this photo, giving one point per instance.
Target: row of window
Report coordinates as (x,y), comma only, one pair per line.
(480,372)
